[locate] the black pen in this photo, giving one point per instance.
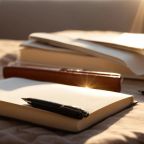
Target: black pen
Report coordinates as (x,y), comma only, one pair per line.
(57,108)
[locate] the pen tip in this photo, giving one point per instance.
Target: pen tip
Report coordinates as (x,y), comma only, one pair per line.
(25,99)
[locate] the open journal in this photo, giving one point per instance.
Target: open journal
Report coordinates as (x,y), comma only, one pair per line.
(120,40)
(69,49)
(95,104)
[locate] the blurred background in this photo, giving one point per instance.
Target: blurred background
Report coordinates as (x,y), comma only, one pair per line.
(19,18)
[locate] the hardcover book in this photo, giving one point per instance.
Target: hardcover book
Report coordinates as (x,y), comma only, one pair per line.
(87,54)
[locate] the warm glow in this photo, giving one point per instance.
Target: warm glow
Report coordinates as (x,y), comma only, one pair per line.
(88,85)
(137,26)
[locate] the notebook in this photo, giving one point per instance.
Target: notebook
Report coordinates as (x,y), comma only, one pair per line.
(99,104)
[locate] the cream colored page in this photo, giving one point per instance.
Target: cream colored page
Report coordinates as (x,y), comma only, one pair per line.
(84,98)
(102,36)
(130,40)
(45,47)
(132,60)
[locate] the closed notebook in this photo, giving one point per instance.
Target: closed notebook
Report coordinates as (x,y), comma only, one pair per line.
(98,103)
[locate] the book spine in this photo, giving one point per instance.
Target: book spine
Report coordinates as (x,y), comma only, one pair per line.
(96,80)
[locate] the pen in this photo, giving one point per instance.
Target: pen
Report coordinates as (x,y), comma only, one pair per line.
(57,108)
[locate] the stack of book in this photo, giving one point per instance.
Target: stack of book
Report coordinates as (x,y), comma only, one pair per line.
(98,51)
(56,97)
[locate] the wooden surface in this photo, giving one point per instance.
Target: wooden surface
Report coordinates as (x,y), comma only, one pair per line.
(9,51)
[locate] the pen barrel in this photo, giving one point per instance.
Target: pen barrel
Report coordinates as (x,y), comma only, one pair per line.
(72,112)
(57,108)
